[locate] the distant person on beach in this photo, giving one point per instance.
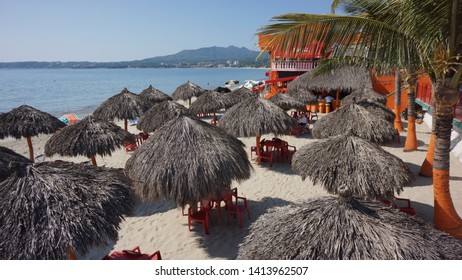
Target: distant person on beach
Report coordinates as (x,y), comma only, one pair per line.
(303,120)
(328,99)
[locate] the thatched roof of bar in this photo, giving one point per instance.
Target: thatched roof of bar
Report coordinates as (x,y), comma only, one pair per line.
(256,116)
(351,166)
(88,137)
(160,114)
(6,157)
(345,78)
(208,102)
(238,95)
(356,120)
(186,160)
(330,228)
(187,91)
(364,94)
(287,103)
(302,95)
(154,95)
(51,206)
(124,105)
(26,121)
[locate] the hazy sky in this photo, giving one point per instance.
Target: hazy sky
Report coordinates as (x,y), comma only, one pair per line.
(116,30)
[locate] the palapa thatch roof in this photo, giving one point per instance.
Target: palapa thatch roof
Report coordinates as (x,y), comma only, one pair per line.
(287,103)
(237,95)
(256,116)
(347,165)
(208,102)
(345,78)
(330,228)
(160,114)
(357,120)
(303,95)
(6,157)
(26,121)
(377,109)
(154,95)
(49,207)
(364,94)
(123,106)
(186,160)
(187,91)
(88,137)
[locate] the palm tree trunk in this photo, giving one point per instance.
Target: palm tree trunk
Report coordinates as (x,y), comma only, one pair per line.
(426,169)
(411,138)
(445,217)
(398,124)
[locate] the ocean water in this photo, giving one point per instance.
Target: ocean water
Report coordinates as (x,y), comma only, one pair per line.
(80,91)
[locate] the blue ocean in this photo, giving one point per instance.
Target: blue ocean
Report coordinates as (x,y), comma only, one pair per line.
(80,91)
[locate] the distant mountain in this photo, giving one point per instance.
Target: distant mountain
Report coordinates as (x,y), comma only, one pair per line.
(204,57)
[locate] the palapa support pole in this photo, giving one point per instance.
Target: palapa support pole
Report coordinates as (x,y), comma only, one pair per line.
(31,149)
(258,144)
(214,119)
(93,160)
(71,254)
(126,124)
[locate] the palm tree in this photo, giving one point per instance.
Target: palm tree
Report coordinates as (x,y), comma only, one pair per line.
(428,36)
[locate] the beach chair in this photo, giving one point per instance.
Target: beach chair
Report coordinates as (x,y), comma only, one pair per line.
(268,155)
(288,150)
(237,206)
(138,139)
(402,204)
(129,147)
(200,216)
(134,254)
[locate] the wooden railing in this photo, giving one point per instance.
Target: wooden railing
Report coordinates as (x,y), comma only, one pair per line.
(288,65)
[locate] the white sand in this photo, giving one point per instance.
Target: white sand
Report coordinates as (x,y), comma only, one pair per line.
(161,226)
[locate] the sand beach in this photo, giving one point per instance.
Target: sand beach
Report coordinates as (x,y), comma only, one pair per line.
(161,225)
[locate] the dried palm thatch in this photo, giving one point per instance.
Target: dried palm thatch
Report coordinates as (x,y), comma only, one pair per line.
(88,137)
(330,228)
(347,165)
(122,106)
(208,102)
(345,78)
(160,114)
(303,95)
(154,95)
(237,96)
(256,116)
(186,91)
(186,160)
(355,119)
(378,109)
(364,94)
(26,121)
(286,102)
(6,157)
(49,208)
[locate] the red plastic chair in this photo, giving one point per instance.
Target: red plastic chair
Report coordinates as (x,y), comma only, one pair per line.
(268,155)
(129,147)
(144,135)
(288,150)
(134,254)
(402,204)
(138,139)
(236,207)
(200,216)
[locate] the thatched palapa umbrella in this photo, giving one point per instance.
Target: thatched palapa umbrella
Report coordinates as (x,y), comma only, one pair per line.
(303,95)
(160,114)
(52,209)
(154,95)
(26,121)
(286,102)
(186,160)
(186,91)
(357,120)
(364,94)
(89,137)
(237,95)
(6,157)
(330,228)
(256,116)
(208,102)
(350,166)
(123,106)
